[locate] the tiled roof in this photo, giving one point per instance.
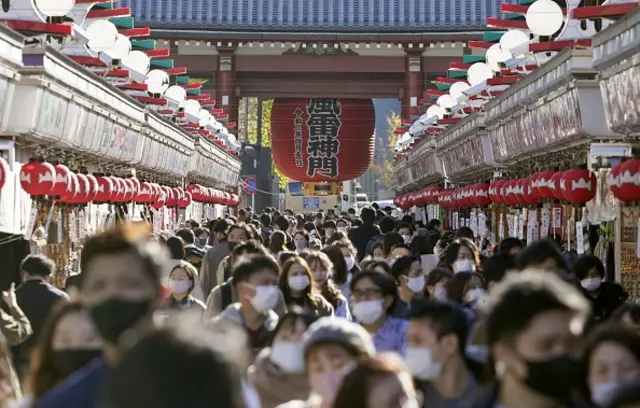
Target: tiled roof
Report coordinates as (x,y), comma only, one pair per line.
(315,15)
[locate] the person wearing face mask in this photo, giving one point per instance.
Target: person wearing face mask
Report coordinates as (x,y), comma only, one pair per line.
(301,241)
(295,283)
(331,348)
(466,289)
(341,275)
(255,281)
(437,282)
(349,254)
(181,284)
(437,336)
(605,297)
(462,256)
(534,323)
(610,360)
(374,297)
(405,230)
(342,225)
(202,238)
(410,279)
(68,342)
(238,233)
(121,289)
(278,371)
(223,295)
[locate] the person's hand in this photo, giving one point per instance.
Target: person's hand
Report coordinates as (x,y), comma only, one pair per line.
(9,297)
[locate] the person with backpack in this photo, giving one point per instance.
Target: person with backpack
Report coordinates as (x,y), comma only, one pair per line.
(255,280)
(224,294)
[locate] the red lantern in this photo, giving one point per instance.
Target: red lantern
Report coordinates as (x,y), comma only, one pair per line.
(93,187)
(73,189)
(61,184)
(160,201)
(195,190)
(542,184)
(104,192)
(321,140)
(481,194)
(578,185)
(4,170)
(628,180)
(145,193)
(82,197)
(136,187)
(37,178)
(528,196)
(498,185)
(554,185)
(185,201)
(117,194)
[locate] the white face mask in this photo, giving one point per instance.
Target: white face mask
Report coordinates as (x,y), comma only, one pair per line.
(179,286)
(379,259)
(421,364)
(464,265)
(349,261)
(474,294)
(602,393)
(368,311)
(342,229)
(288,355)
(327,384)
(440,293)
(407,239)
(299,283)
(416,284)
(591,284)
(266,298)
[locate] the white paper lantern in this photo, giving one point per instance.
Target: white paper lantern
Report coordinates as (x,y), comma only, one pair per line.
(54,8)
(446,101)
(192,107)
(137,61)
(102,35)
(544,17)
(512,39)
(176,93)
(478,73)
(121,48)
(457,88)
(158,82)
(495,55)
(204,117)
(435,110)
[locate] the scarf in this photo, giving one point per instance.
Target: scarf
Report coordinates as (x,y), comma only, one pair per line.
(274,386)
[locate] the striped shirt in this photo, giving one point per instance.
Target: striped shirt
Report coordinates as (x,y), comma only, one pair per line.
(392,336)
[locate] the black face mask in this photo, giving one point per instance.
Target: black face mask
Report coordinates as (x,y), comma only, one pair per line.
(69,361)
(115,316)
(553,377)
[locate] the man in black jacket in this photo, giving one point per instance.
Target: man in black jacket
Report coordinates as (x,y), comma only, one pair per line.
(36,298)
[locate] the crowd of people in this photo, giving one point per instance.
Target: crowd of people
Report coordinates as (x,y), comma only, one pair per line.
(291,310)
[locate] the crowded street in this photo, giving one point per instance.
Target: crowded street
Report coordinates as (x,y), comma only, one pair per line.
(319,204)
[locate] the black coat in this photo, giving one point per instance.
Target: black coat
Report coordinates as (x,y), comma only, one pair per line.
(36,298)
(609,296)
(488,398)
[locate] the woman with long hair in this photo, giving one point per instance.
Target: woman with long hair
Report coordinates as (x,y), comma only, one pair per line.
(321,269)
(68,342)
(462,255)
(341,275)
(277,242)
(296,284)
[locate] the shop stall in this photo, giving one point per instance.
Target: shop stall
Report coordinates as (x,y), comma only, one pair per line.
(616,57)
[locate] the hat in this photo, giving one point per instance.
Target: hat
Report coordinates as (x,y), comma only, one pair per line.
(340,331)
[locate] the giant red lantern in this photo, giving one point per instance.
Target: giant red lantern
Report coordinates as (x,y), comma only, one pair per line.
(37,178)
(578,185)
(323,140)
